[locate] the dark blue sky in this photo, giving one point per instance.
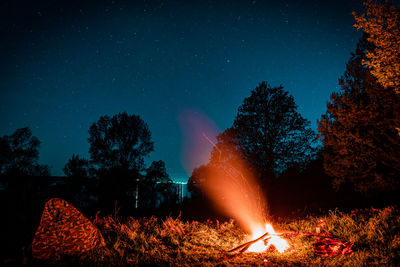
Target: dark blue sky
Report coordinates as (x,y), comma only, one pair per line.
(66,63)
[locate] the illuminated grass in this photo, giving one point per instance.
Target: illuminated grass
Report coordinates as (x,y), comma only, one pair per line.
(150,241)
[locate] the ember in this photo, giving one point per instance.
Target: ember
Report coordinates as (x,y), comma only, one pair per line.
(263,242)
(272,239)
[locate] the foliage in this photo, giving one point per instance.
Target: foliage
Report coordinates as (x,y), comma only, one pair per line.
(382,24)
(120,142)
(76,167)
(157,171)
(78,183)
(118,146)
(150,241)
(19,154)
(268,136)
(197,177)
(269,133)
(307,189)
(156,186)
(358,132)
(23,181)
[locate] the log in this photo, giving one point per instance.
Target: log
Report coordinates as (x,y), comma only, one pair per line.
(245,246)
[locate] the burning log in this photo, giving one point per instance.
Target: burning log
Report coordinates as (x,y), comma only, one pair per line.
(325,244)
(263,242)
(246,246)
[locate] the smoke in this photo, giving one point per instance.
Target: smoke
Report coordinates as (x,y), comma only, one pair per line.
(195,148)
(227,179)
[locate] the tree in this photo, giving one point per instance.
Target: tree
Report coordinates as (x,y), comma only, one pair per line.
(269,133)
(382,24)
(118,146)
(361,144)
(157,172)
(76,167)
(120,142)
(26,181)
(308,189)
(267,137)
(198,176)
(78,183)
(19,155)
(156,186)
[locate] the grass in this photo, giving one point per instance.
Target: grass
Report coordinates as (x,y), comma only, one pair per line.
(172,242)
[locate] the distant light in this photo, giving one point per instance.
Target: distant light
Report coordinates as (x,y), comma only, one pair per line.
(174,182)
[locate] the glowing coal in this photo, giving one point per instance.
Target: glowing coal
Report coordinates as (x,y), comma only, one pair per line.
(272,239)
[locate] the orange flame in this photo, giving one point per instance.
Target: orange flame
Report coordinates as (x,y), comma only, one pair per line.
(234,192)
(273,239)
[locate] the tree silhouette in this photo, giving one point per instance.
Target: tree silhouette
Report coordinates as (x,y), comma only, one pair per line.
(76,167)
(306,189)
(78,184)
(19,155)
(26,183)
(382,24)
(357,131)
(196,178)
(118,146)
(157,171)
(120,142)
(269,133)
(156,186)
(268,136)
(200,175)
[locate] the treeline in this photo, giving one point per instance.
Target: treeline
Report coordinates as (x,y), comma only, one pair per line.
(115,176)
(115,180)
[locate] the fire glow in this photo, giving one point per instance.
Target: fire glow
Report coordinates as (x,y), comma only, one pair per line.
(228,181)
(272,239)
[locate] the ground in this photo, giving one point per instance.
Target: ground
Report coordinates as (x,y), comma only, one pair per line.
(173,242)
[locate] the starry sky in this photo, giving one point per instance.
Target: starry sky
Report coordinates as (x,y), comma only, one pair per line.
(66,63)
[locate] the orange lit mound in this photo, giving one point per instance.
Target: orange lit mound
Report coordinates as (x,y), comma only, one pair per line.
(63,230)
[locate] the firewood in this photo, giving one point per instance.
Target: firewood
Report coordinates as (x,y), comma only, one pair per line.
(245,246)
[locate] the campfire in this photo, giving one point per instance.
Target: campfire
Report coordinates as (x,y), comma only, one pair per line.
(229,182)
(262,239)
(234,190)
(325,245)
(270,238)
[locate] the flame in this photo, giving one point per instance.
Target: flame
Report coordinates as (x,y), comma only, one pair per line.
(274,240)
(227,179)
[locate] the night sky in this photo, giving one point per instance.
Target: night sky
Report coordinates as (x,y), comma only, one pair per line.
(66,63)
